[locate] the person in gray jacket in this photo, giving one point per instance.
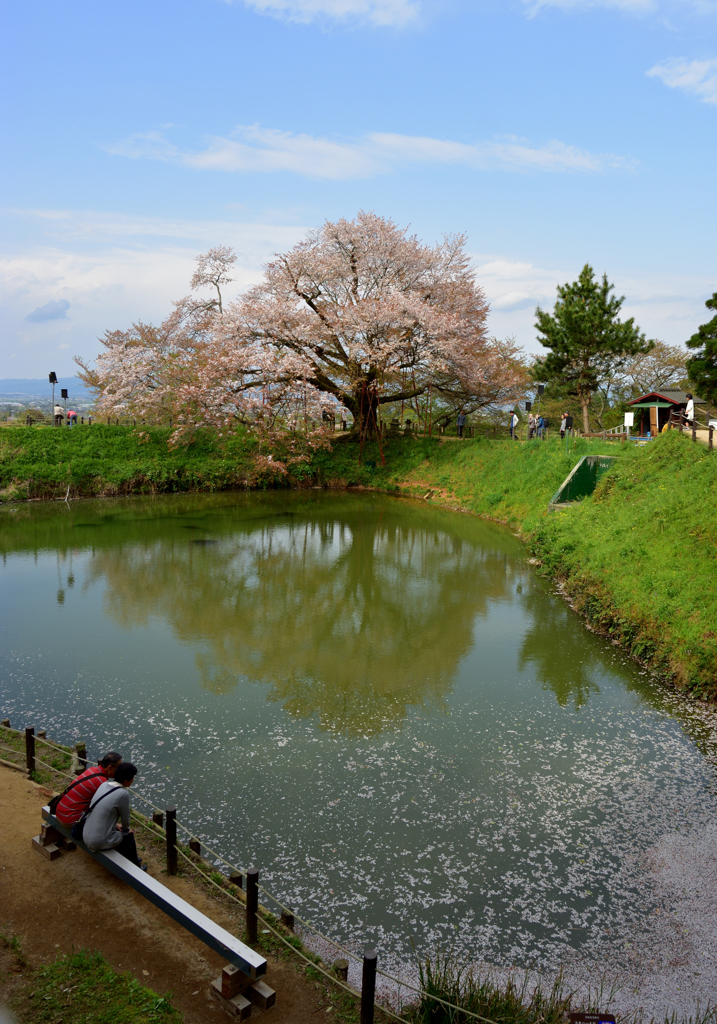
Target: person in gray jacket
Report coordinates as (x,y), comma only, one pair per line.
(107,823)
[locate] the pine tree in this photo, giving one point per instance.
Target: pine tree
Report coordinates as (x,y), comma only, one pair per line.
(588,342)
(702,368)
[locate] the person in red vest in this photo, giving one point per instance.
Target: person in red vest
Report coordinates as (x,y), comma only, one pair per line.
(78,795)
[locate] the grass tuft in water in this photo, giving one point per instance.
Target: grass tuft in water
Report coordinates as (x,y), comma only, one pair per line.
(517,1000)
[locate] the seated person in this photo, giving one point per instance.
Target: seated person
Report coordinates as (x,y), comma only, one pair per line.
(76,798)
(107,824)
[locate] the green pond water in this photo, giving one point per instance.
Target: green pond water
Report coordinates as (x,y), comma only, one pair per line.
(378,703)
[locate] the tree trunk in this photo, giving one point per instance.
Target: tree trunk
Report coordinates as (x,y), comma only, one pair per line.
(585,402)
(366,415)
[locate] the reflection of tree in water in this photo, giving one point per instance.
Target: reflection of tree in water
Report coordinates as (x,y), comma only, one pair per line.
(562,656)
(352,619)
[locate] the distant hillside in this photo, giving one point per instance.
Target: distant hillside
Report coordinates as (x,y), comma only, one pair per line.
(23,386)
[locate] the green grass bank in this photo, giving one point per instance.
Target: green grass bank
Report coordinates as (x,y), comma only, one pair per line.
(637,558)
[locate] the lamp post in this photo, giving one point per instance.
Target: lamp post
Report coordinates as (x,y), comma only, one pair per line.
(53,380)
(63,392)
(528,407)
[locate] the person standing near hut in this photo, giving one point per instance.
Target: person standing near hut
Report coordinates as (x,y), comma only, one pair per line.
(690,409)
(563,425)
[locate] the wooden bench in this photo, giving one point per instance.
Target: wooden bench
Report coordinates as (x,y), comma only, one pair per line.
(241,978)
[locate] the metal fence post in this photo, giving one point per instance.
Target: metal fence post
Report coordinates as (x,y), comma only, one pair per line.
(30,749)
(252,904)
(368,986)
(171,835)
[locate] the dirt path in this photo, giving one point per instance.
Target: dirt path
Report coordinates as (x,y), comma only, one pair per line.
(53,906)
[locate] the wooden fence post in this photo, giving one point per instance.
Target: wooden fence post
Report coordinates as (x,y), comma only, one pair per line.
(81,749)
(158,819)
(171,835)
(694,430)
(195,846)
(368,986)
(252,904)
(30,749)
(712,431)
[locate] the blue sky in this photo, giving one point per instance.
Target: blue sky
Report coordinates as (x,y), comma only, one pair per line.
(551,132)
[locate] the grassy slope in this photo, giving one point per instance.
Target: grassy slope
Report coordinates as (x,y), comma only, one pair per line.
(638,558)
(42,462)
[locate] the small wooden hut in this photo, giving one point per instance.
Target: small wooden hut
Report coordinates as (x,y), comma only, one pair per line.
(654,408)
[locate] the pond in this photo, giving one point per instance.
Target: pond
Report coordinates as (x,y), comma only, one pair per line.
(382,706)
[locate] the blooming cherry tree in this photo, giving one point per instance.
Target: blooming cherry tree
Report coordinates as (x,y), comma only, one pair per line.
(360,313)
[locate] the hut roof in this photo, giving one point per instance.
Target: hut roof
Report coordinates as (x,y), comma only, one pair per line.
(672,395)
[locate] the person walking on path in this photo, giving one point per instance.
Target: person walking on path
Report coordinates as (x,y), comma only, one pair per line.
(78,795)
(107,823)
(461,422)
(514,421)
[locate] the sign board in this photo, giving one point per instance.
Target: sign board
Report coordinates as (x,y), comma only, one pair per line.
(592,1018)
(629,419)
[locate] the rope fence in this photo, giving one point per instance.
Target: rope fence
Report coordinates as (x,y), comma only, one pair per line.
(170,842)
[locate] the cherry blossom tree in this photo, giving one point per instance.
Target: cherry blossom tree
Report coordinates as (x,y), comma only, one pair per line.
(369,316)
(361,313)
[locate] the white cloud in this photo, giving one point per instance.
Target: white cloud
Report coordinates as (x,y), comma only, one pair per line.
(112,269)
(698,77)
(665,306)
(251,148)
(394,13)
